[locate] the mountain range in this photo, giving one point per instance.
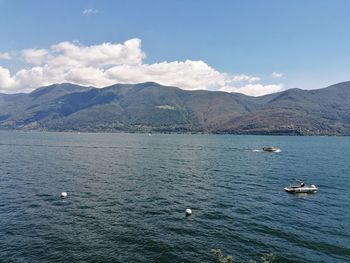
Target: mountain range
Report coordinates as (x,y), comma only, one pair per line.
(151,107)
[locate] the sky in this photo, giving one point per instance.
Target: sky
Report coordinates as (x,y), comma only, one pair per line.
(252,47)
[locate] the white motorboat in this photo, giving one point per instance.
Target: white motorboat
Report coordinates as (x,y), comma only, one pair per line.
(301,188)
(270,149)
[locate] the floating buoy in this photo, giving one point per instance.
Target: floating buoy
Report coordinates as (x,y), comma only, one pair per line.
(188,212)
(64,195)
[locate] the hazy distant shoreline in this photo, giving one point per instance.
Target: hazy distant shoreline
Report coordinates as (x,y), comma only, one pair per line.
(180,133)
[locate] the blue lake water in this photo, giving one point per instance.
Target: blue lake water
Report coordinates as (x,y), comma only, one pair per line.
(128,194)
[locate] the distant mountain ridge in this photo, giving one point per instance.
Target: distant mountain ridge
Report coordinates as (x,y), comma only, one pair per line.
(149,106)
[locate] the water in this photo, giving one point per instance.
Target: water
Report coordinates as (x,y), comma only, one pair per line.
(128,194)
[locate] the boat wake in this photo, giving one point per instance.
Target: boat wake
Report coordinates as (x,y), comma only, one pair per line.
(259,150)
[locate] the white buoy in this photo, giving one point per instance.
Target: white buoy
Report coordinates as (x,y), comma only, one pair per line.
(64,195)
(188,212)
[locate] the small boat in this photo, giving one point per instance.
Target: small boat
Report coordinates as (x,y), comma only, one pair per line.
(301,188)
(270,149)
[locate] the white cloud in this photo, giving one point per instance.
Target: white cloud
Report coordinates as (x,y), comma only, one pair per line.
(32,78)
(244,78)
(89,11)
(106,54)
(110,63)
(35,56)
(5,56)
(276,75)
(254,89)
(6,82)
(189,74)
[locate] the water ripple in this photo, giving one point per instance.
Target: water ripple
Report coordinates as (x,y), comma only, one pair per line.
(128,193)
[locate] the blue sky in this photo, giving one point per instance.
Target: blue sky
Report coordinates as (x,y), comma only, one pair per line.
(308,42)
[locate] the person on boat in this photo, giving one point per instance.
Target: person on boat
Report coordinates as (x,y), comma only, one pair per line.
(302,184)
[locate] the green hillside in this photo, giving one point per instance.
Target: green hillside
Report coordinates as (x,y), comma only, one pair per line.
(149,106)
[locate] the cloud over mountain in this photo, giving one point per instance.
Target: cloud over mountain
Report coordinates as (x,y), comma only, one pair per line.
(110,63)
(6,81)
(254,89)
